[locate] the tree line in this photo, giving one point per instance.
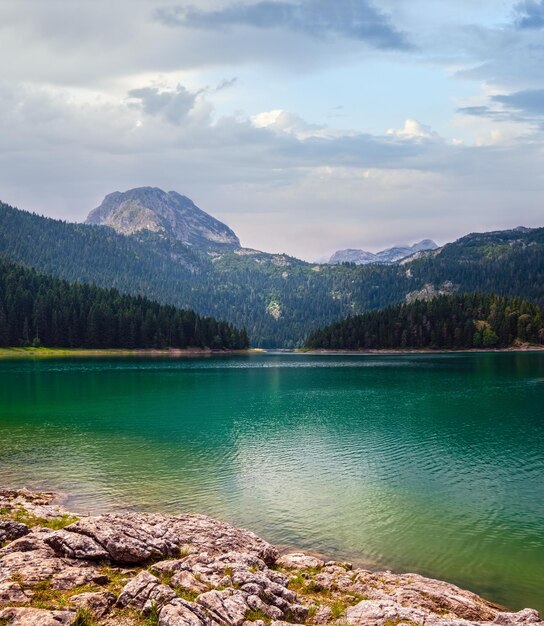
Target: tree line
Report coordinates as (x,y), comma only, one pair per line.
(41,310)
(472,320)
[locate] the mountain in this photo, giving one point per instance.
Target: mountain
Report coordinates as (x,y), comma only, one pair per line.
(446,322)
(277,298)
(167,213)
(385,257)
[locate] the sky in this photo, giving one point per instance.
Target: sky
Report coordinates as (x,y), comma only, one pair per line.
(307,126)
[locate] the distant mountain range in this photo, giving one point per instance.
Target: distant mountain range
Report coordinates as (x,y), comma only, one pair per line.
(385,257)
(189,259)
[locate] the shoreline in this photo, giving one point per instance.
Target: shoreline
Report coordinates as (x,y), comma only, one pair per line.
(378,351)
(6,353)
(142,569)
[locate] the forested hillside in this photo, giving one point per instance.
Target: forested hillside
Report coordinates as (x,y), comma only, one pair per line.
(447,322)
(278,299)
(40,310)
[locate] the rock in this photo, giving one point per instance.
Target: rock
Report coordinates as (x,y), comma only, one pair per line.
(188,581)
(527,616)
(11,593)
(299,560)
(322,615)
(36,617)
(225,607)
(34,540)
(75,546)
(380,612)
(138,537)
(423,593)
(38,503)
(182,613)
(99,603)
(144,591)
(10,530)
(230,570)
(38,565)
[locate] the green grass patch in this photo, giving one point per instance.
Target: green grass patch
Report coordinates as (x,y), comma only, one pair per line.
(23,516)
(186,594)
(256,614)
(84,617)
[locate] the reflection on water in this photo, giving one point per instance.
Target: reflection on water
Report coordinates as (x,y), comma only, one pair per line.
(431,463)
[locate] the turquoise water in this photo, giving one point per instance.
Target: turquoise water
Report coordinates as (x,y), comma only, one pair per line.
(427,463)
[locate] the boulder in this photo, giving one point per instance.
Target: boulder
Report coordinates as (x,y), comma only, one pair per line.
(36,617)
(144,591)
(299,561)
(10,530)
(99,603)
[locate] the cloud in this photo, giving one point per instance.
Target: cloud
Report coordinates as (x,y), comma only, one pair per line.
(521,107)
(529,14)
(173,105)
(530,101)
(412,129)
(352,19)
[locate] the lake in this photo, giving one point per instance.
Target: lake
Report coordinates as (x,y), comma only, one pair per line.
(427,463)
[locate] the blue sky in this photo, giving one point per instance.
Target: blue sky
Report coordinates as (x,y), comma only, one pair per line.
(308,126)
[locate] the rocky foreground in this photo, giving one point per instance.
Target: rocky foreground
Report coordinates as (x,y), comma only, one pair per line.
(191,570)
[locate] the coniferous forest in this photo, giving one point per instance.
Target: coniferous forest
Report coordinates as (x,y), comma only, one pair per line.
(446,322)
(278,299)
(41,310)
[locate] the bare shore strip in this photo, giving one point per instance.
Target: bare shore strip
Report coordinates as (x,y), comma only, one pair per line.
(135,569)
(43,353)
(378,351)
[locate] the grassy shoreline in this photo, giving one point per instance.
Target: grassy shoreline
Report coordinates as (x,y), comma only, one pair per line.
(6,353)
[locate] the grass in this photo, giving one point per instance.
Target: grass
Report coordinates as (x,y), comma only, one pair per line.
(186,594)
(84,617)
(9,353)
(256,614)
(117,580)
(152,617)
(25,517)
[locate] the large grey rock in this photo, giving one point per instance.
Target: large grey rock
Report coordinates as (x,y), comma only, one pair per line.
(75,546)
(299,560)
(138,537)
(10,530)
(99,602)
(182,613)
(12,593)
(36,617)
(37,565)
(225,607)
(144,591)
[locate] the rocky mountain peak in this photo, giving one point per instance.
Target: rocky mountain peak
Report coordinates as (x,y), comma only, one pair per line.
(164,212)
(385,257)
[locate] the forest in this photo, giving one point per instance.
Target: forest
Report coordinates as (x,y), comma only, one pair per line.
(277,298)
(454,322)
(38,310)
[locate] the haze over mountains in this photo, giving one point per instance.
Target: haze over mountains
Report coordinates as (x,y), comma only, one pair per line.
(189,259)
(385,257)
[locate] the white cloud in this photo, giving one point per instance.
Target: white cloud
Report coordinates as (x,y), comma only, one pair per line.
(413,129)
